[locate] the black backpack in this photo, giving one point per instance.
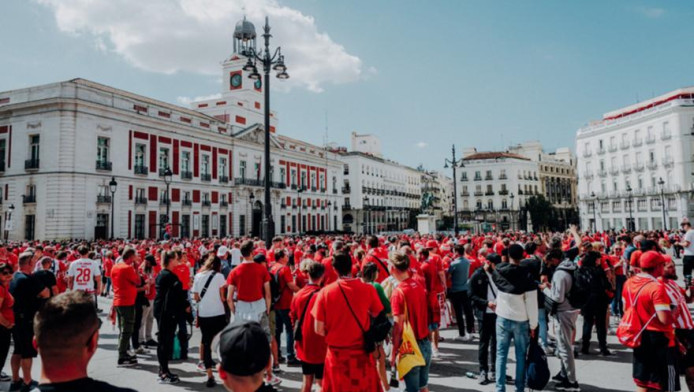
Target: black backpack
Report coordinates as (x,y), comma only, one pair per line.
(581,287)
(275,289)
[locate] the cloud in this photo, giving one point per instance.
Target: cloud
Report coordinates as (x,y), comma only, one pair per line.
(650,12)
(186,101)
(170,36)
(422,145)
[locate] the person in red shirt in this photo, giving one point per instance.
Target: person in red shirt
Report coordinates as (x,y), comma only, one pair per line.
(435,278)
(6,312)
(330,274)
(125,282)
(282,306)
(654,359)
(342,312)
(408,302)
(182,271)
(374,255)
(107,265)
(310,347)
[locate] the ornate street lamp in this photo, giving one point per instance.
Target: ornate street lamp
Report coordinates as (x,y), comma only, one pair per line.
(631,226)
(366,221)
(595,219)
(512,213)
(9,221)
(167,180)
(661,182)
(301,202)
(268,61)
(454,164)
(112,185)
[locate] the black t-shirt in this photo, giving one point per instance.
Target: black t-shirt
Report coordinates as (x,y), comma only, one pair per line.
(82,385)
(25,290)
(46,278)
(168,285)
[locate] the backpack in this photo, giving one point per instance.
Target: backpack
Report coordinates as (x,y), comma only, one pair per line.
(536,371)
(581,287)
(631,326)
(275,288)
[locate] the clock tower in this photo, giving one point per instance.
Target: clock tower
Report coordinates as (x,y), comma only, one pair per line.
(242,98)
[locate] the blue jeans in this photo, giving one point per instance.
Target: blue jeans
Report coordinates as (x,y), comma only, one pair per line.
(282,321)
(506,330)
(418,377)
(542,323)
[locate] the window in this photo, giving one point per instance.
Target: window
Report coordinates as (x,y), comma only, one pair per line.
(638,157)
(102,149)
(478,204)
(292,176)
(666,128)
(334,184)
(163,158)
(140,193)
(185,226)
(463,176)
(478,176)
(490,204)
(242,169)
(205,164)
(651,156)
(303,179)
(600,143)
(313,180)
(222,166)
(256,168)
(504,205)
(186,196)
(185,161)
(283,175)
(140,155)
(3,149)
(140,226)
(602,165)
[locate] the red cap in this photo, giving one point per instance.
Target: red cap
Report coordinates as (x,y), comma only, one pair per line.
(432,244)
(651,259)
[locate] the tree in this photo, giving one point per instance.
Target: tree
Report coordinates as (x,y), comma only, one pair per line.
(541,212)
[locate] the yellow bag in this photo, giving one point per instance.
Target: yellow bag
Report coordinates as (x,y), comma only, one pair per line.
(409,355)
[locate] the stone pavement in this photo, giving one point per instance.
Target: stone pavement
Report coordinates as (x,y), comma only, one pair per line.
(447,374)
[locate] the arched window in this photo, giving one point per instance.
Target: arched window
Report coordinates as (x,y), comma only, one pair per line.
(503,204)
(490,204)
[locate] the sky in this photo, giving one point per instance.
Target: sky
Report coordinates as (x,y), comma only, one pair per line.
(422,75)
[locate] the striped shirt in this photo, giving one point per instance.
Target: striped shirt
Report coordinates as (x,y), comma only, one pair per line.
(683,317)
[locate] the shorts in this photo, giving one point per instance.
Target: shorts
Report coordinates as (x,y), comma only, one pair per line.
(433,327)
(23,337)
(686,338)
(254,311)
(272,322)
(311,369)
(654,363)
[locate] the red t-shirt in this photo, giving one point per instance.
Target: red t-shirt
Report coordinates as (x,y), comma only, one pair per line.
(635,258)
(341,329)
(330,275)
(249,279)
(285,277)
(475,263)
(125,281)
(108,266)
(653,297)
(381,263)
(430,270)
(182,270)
(7,303)
(411,293)
(312,348)
(614,259)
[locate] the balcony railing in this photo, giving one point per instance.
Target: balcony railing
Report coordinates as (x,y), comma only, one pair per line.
(186,202)
(652,165)
(206,177)
(602,173)
(601,150)
(624,145)
(614,171)
(587,153)
(187,175)
(639,167)
(334,191)
(206,203)
(28,199)
(503,177)
(103,199)
(141,169)
(140,200)
(666,136)
(488,178)
(668,162)
(503,192)
(465,193)
(347,206)
(223,179)
(294,187)
(322,190)
(626,168)
(489,193)
(255,182)
(224,203)
(164,201)
(478,193)
(637,142)
(104,165)
(463,178)
(478,178)
(612,148)
(313,189)
(283,205)
(31,164)
(650,139)
(162,172)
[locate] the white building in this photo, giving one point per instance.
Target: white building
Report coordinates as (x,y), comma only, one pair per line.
(379,195)
(62,143)
(440,187)
(623,157)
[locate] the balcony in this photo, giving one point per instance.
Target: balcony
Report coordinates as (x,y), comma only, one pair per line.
(503,192)
(652,165)
(463,179)
(141,200)
(601,151)
(639,167)
(256,182)
(488,178)
(626,168)
(489,193)
(465,193)
(186,175)
(162,172)
(666,136)
(223,179)
(141,170)
(478,178)
(293,187)
(637,142)
(28,199)
(624,145)
(668,162)
(313,189)
(31,164)
(588,174)
(650,139)
(347,206)
(503,177)
(164,201)
(186,202)
(206,203)
(614,171)
(479,193)
(224,203)
(207,177)
(612,148)
(104,165)
(587,154)
(283,205)
(103,199)
(602,173)
(334,191)
(322,190)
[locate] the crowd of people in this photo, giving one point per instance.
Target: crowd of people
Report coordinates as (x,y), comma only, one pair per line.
(346,308)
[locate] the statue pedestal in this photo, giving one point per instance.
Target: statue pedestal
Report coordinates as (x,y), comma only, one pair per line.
(426,224)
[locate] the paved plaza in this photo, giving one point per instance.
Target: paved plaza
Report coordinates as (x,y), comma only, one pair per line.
(595,373)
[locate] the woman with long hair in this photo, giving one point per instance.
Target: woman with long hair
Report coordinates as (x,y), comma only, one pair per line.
(170,304)
(209,289)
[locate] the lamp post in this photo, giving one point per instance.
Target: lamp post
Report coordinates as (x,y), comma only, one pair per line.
(251,197)
(8,223)
(268,61)
(167,180)
(366,221)
(454,164)
(330,203)
(112,185)
(512,213)
(630,226)
(595,219)
(301,203)
(661,182)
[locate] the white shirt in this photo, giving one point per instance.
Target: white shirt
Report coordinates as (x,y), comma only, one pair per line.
(491,292)
(689,236)
(84,271)
(211,304)
(235,256)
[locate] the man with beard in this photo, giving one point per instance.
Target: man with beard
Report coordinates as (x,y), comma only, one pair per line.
(682,320)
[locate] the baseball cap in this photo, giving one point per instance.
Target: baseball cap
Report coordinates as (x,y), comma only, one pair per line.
(651,259)
(222,251)
(494,258)
(259,258)
(244,349)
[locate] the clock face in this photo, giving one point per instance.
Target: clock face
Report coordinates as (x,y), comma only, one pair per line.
(258,84)
(236,80)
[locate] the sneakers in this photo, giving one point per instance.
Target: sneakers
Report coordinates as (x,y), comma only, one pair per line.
(276,369)
(169,378)
(292,361)
(210,383)
(4,377)
(274,381)
(16,385)
(127,361)
(482,378)
(606,353)
(140,350)
(560,378)
(29,387)
(491,376)
(435,354)
(568,386)
(201,367)
(151,343)
(465,338)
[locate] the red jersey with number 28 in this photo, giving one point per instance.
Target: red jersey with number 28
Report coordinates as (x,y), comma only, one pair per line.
(83,271)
